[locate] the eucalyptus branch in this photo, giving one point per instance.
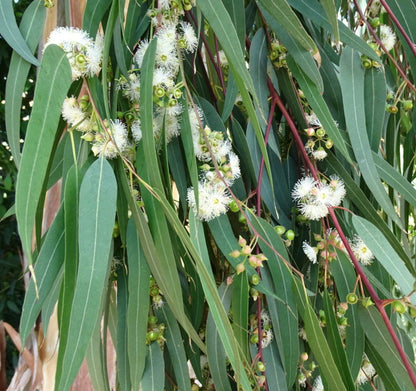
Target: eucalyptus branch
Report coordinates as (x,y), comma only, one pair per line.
(357,266)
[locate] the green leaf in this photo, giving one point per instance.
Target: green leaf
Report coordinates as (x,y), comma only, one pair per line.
(138,305)
(352,85)
(96,359)
(345,277)
(383,369)
(316,340)
(154,373)
(11,33)
(281,11)
(240,301)
(93,15)
(52,85)
(122,346)
(48,264)
(215,349)
(319,106)
(97,207)
(71,205)
(287,319)
(379,337)
(335,343)
(275,375)
(331,13)
(385,254)
(31,28)
(175,347)
(236,10)
(375,91)
(395,180)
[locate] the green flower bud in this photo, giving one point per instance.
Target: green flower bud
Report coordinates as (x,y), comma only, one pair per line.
(152,336)
(367,302)
(254,339)
(260,366)
(280,229)
(152,320)
(320,132)
(399,307)
(407,105)
(352,298)
(233,206)
(255,279)
(367,63)
(290,235)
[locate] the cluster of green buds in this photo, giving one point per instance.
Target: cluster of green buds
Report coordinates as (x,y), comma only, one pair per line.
(254,260)
(352,298)
(175,8)
(287,235)
(306,368)
(155,293)
(155,331)
(318,140)
(278,54)
(392,103)
(340,315)
(166,95)
(367,62)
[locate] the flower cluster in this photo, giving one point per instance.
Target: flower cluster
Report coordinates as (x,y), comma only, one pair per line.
(266,329)
(173,36)
(314,197)
(84,54)
(254,260)
(214,198)
(318,140)
(367,371)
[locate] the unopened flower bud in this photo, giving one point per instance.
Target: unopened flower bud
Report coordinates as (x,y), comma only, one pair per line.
(240,268)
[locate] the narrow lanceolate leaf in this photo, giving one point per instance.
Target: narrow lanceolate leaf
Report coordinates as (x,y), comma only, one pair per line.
(215,348)
(335,343)
(385,254)
(284,316)
(352,86)
(97,207)
(281,12)
(48,264)
(31,28)
(138,305)
(52,85)
(11,33)
(154,373)
(93,14)
(275,375)
(378,335)
(395,180)
(331,13)
(375,91)
(175,347)
(345,277)
(316,340)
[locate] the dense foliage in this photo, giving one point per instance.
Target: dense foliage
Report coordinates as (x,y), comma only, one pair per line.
(237,206)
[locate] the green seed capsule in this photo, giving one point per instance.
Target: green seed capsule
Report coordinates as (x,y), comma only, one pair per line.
(352,298)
